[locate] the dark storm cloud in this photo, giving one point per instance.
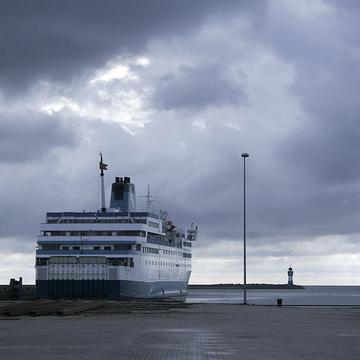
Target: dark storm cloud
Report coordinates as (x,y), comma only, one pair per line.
(316,191)
(302,174)
(31,136)
(325,148)
(38,182)
(196,87)
(328,154)
(300,199)
(60,39)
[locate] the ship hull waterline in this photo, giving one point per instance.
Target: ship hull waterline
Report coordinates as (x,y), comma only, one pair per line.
(110,289)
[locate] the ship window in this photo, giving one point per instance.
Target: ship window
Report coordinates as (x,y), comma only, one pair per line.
(122,247)
(76,247)
(140,221)
(118,261)
(153,224)
(151,250)
(50,247)
(65,248)
(107,247)
(130,233)
(41,261)
(97,247)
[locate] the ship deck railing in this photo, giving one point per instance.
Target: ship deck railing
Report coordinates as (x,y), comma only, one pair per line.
(101,214)
(164,242)
(85,252)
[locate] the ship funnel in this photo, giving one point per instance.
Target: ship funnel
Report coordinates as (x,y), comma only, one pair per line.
(123,195)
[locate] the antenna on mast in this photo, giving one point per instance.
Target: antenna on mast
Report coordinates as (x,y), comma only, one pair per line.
(149,201)
(102,167)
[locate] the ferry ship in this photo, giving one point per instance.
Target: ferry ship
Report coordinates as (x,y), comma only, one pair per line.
(114,252)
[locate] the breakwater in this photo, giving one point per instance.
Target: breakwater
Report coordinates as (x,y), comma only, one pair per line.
(27,292)
(248,286)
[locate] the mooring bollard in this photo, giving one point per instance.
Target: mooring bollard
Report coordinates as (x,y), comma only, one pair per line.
(279,302)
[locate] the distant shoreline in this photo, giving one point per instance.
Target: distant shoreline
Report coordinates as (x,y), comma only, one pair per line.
(248,286)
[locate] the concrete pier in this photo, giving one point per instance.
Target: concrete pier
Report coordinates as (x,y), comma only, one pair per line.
(201,331)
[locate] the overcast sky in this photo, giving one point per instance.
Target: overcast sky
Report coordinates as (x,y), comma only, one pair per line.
(172,92)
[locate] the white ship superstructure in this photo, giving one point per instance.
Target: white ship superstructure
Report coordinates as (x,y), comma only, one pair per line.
(113,253)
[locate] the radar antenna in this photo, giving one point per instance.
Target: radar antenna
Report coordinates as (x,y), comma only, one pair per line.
(102,167)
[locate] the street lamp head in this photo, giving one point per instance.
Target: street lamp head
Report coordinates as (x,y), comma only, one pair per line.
(244,155)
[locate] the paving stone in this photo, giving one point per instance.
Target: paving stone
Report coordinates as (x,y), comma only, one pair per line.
(202,331)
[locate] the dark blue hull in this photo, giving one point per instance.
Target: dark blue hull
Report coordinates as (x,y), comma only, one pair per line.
(109,289)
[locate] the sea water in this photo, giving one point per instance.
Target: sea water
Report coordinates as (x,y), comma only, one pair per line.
(311,295)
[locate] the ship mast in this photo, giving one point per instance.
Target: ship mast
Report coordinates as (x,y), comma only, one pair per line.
(102,167)
(148,199)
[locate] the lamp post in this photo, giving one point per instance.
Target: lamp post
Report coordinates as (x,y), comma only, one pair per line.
(244,156)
